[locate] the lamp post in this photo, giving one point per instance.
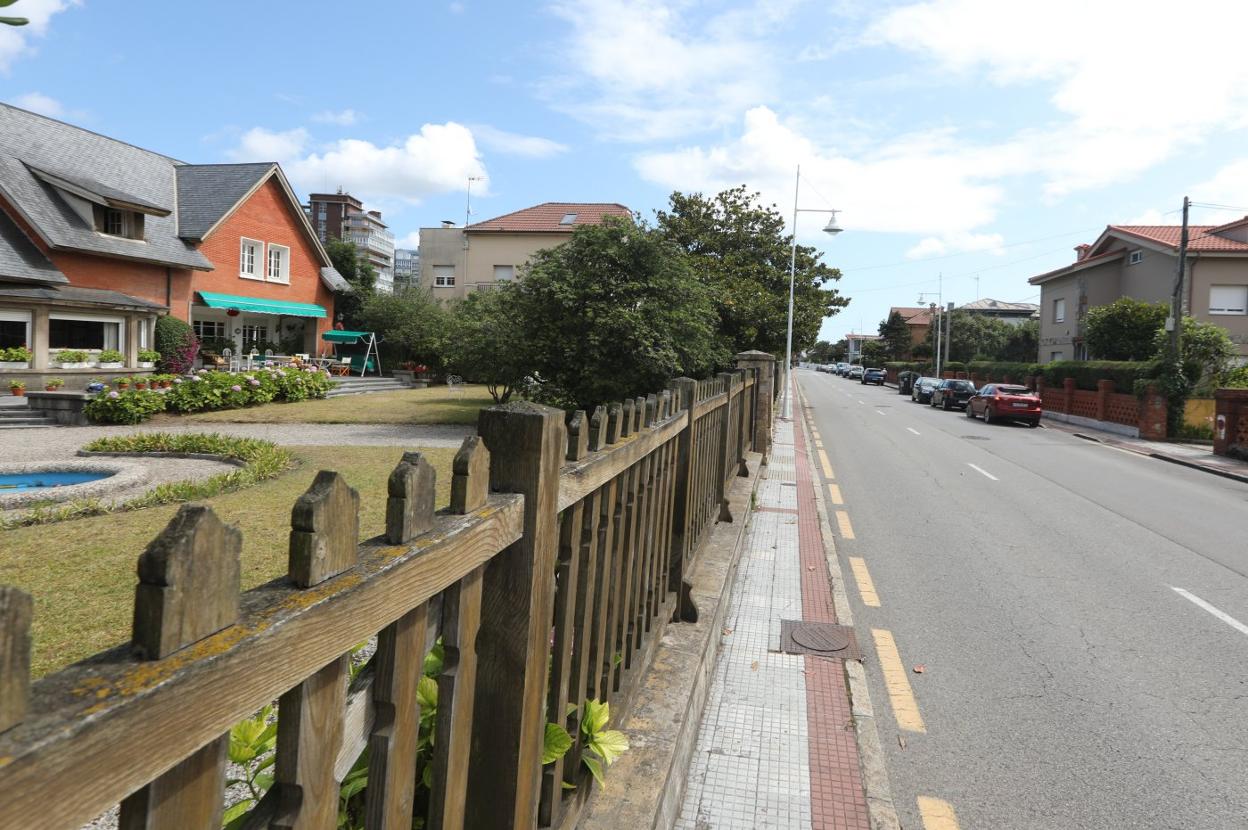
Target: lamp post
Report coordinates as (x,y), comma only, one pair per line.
(831,228)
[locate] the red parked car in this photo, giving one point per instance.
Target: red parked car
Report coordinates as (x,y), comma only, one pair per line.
(1003,402)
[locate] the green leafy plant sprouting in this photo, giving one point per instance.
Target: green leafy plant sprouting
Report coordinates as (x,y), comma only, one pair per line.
(252,747)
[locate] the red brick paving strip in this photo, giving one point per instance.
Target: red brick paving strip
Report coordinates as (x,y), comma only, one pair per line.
(837,799)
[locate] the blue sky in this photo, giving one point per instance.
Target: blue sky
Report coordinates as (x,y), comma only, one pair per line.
(964,137)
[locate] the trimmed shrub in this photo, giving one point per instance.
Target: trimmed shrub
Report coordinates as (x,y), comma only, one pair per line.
(131,406)
(177,345)
(995,371)
(1127,375)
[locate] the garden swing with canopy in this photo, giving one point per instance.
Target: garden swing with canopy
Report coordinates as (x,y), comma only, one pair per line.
(368,361)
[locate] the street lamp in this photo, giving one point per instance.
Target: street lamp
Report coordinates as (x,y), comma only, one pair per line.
(831,228)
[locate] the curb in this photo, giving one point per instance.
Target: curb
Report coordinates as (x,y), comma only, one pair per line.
(875,780)
(1204,468)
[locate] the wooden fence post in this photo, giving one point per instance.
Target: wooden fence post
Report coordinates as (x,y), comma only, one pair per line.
(598,429)
(578,435)
(15,613)
(409,508)
(324,540)
(188,590)
(685,391)
(764,395)
(526,443)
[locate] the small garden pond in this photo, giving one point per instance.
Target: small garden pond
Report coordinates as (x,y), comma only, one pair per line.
(10,482)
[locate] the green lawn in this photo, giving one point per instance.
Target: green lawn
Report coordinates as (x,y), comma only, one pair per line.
(82,573)
(435,405)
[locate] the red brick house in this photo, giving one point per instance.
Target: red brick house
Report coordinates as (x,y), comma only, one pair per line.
(98,238)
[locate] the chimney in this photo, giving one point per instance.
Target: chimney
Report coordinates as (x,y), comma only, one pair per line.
(1081,252)
(448,223)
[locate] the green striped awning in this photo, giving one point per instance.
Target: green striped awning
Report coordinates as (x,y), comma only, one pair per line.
(255,305)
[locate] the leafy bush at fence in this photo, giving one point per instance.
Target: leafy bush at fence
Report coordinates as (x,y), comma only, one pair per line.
(209,390)
(1235,379)
(995,371)
(177,344)
(1124,373)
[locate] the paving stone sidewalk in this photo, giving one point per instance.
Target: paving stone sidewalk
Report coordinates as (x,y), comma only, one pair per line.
(776,745)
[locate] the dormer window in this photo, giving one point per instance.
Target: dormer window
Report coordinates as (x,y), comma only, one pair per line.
(1135,258)
(110,221)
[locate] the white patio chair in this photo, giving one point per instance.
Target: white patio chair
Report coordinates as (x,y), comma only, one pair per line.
(455,385)
(231,360)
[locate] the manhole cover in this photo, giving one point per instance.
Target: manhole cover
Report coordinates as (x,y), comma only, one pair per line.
(821,639)
(976,438)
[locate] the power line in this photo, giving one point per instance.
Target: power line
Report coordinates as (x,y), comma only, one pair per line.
(962,253)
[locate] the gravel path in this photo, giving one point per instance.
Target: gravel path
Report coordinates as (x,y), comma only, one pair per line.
(50,443)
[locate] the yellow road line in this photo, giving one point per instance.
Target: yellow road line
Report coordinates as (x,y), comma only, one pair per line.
(937,814)
(842,522)
(835,493)
(900,695)
(866,587)
(827,465)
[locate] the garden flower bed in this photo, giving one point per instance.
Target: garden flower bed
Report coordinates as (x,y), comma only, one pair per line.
(203,391)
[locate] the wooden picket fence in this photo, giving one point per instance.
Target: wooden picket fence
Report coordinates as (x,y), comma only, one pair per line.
(550,578)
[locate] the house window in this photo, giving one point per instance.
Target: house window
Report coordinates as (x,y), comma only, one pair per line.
(1135,258)
(504,273)
(248,258)
(1054,356)
(83,333)
(14,329)
(1228,299)
(255,337)
(1059,311)
(279,263)
(444,276)
(208,329)
(113,222)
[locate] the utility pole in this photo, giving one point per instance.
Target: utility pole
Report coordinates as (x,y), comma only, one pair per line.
(948,332)
(1174,325)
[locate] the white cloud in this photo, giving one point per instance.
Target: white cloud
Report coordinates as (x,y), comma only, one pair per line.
(456,7)
(259,144)
(921,184)
(1135,83)
(342,118)
(643,70)
(40,103)
(1228,186)
(411,240)
(957,243)
(515,144)
(15,40)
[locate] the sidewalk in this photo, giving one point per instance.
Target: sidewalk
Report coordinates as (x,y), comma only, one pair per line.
(776,746)
(1197,456)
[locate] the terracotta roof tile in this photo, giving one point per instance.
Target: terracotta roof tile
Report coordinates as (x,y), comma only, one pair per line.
(913,315)
(1200,237)
(547,217)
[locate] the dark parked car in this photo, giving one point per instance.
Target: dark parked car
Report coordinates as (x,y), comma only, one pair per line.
(922,390)
(953,393)
(875,376)
(842,368)
(1004,402)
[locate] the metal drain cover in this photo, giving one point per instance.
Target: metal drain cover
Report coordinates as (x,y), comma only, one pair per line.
(820,639)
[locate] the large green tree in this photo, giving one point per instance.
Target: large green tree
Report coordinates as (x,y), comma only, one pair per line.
(972,336)
(486,342)
(1208,352)
(359,273)
(614,312)
(1123,329)
(821,352)
(739,249)
(410,324)
(1022,345)
(895,335)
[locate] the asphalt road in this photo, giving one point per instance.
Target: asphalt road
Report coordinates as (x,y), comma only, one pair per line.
(1065,683)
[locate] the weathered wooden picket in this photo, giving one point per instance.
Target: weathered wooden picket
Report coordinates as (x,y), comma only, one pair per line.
(550,578)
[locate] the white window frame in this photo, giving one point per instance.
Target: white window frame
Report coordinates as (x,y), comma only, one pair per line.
(1223,308)
(510,271)
(444,280)
(256,260)
(1135,257)
(1059,310)
(93,318)
(283,275)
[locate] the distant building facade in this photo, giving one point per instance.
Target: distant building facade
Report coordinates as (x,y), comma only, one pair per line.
(455,260)
(1013,313)
(406,268)
(854,342)
(342,216)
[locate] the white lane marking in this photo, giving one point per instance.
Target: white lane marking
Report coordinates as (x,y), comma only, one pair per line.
(982,471)
(912,429)
(861,401)
(1220,614)
(879,412)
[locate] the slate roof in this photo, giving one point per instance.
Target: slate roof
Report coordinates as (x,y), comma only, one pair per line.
(20,259)
(207,192)
(77,296)
(333,280)
(990,305)
(47,144)
(545,218)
